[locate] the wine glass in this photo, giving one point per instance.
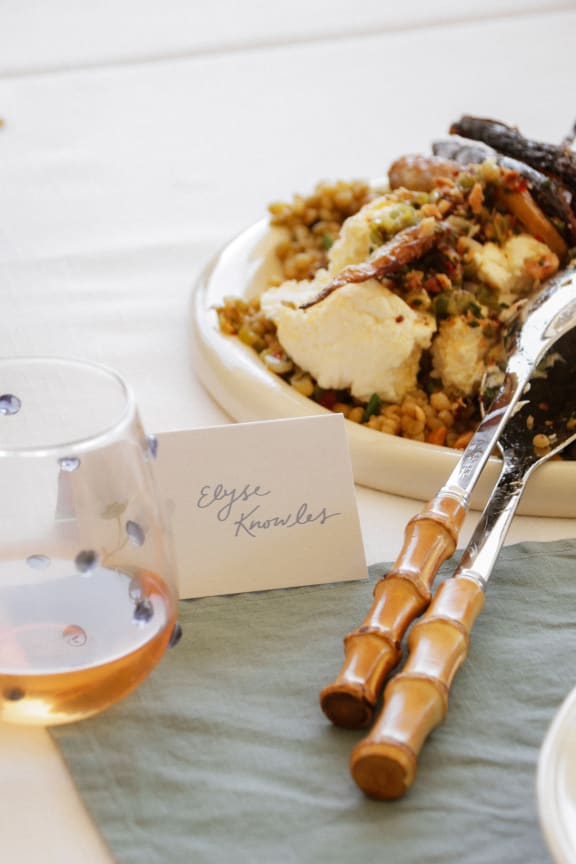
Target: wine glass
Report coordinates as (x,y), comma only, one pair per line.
(88,603)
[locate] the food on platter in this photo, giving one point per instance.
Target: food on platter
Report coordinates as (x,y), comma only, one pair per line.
(395,300)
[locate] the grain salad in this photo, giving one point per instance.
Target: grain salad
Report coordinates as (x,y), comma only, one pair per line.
(394,302)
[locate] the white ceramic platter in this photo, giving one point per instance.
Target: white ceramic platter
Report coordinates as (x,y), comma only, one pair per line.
(240,383)
(556,784)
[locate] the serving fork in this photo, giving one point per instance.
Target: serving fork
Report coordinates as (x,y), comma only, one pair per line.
(416,699)
(404,592)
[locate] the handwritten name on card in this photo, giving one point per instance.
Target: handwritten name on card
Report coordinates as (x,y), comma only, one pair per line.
(261,505)
(251,521)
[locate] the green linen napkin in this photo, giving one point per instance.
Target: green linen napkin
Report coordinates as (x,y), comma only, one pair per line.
(223,755)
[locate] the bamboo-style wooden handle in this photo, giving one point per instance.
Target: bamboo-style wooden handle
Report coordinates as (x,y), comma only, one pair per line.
(415,701)
(372,650)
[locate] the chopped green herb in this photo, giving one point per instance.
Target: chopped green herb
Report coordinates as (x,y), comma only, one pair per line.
(373,407)
(444,306)
(394,219)
(490,394)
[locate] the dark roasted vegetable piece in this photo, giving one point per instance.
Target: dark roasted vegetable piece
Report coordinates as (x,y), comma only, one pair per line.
(553,198)
(523,206)
(406,246)
(555,160)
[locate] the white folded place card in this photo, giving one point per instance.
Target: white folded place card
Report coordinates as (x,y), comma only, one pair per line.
(255,506)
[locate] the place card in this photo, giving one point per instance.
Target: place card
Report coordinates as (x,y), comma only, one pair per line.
(263,505)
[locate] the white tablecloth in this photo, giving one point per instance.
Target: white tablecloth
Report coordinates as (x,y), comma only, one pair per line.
(138,137)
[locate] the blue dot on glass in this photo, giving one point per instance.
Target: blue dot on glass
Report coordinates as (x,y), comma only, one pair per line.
(176,635)
(9,404)
(74,636)
(135,533)
(38,562)
(69,463)
(152,445)
(14,695)
(143,611)
(86,561)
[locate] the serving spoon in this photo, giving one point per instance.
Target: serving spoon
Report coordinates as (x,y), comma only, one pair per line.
(430,538)
(416,700)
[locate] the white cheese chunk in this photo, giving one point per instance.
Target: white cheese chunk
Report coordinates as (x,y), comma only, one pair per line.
(292,293)
(357,235)
(362,337)
(458,355)
(503,268)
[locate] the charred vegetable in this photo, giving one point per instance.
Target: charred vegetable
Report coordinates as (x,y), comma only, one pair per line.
(406,246)
(557,161)
(554,199)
